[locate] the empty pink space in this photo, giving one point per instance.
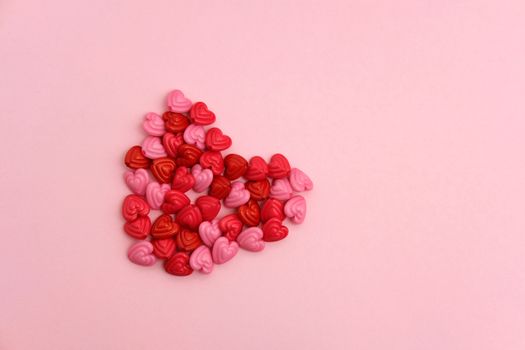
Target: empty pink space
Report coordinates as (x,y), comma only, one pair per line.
(409,116)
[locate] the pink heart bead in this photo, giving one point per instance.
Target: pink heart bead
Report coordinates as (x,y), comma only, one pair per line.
(155,193)
(224,250)
(177,102)
(209,232)
(152,147)
(203,178)
(153,124)
(238,196)
(299,181)
(195,135)
(141,253)
(251,239)
(137,180)
(295,209)
(201,260)
(281,189)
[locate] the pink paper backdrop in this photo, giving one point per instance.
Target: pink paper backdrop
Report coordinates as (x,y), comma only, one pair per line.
(408,115)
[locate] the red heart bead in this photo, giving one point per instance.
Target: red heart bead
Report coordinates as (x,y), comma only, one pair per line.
(278,167)
(257,169)
(274,230)
(135,159)
(171,142)
(201,115)
(272,208)
(175,122)
(188,240)
(138,228)
(235,166)
(230,226)
(250,213)
(220,187)
(209,207)
(164,227)
(163,169)
(134,206)
(163,248)
(190,216)
(216,140)
(183,181)
(178,264)
(174,201)
(259,190)
(188,155)
(213,160)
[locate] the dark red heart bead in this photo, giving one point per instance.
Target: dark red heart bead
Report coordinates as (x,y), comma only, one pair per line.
(174,201)
(216,140)
(272,208)
(171,142)
(190,217)
(135,159)
(201,115)
(138,228)
(249,213)
(212,160)
(279,167)
(257,169)
(163,169)
(163,248)
(220,187)
(274,230)
(209,207)
(178,264)
(188,240)
(235,166)
(175,122)
(230,226)
(134,206)
(164,227)
(188,155)
(183,181)
(259,190)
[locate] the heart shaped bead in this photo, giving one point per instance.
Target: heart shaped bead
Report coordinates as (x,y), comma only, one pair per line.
(134,206)
(163,248)
(209,207)
(235,166)
(237,196)
(135,158)
(272,208)
(281,189)
(190,217)
(188,155)
(201,115)
(183,181)
(220,187)
(201,260)
(259,190)
(224,250)
(137,180)
(177,102)
(295,209)
(152,147)
(257,169)
(250,213)
(251,239)
(230,226)
(188,240)
(195,135)
(216,140)
(163,169)
(178,264)
(279,167)
(174,201)
(155,194)
(203,178)
(140,253)
(212,160)
(274,230)
(299,181)
(175,122)
(153,124)
(164,227)
(171,142)
(138,228)
(209,231)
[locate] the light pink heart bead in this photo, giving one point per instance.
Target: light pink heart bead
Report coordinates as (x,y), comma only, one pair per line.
(152,147)
(141,253)
(224,250)
(209,232)
(177,102)
(281,189)
(203,178)
(153,124)
(299,181)
(201,260)
(195,135)
(155,193)
(238,196)
(137,180)
(251,239)
(295,209)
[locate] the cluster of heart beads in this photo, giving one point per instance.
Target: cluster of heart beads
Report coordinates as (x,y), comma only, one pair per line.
(181,152)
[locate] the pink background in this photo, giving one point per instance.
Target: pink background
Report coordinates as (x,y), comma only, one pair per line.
(408,115)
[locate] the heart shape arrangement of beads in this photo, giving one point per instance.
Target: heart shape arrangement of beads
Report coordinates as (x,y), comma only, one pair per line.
(181,153)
